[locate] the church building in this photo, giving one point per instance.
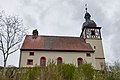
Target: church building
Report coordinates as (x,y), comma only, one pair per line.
(39,49)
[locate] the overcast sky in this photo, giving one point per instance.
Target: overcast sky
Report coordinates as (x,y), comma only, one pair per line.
(65,18)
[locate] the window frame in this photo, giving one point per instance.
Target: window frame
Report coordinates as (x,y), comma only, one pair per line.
(41,61)
(88,54)
(94,47)
(61,60)
(28,62)
(31,53)
(79,61)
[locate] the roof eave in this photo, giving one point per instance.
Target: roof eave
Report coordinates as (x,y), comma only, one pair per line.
(58,50)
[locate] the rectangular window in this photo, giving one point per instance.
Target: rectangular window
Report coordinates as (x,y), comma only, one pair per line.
(29,61)
(94,47)
(31,53)
(88,54)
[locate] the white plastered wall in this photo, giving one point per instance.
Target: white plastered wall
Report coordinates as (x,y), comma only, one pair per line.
(68,57)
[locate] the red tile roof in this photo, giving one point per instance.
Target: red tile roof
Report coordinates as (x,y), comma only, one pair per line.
(55,43)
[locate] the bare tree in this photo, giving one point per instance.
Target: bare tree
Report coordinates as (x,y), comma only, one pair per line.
(11,35)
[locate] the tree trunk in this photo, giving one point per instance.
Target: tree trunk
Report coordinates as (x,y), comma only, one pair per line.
(4,70)
(4,63)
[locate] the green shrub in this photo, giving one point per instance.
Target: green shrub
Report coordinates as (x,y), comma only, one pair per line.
(67,71)
(63,72)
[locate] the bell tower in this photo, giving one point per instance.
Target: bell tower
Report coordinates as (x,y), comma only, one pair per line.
(92,34)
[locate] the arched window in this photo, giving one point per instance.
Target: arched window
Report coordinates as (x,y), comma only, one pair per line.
(42,61)
(59,60)
(79,60)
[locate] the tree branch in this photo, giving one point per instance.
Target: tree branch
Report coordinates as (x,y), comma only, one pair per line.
(11,34)
(13,51)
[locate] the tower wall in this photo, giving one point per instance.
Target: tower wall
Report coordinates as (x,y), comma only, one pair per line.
(99,54)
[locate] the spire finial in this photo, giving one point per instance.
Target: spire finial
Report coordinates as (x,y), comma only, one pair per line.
(87,15)
(86,7)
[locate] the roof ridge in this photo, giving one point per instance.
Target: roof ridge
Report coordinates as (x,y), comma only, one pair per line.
(56,36)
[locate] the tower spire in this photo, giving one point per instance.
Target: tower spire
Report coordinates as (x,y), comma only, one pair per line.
(88,22)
